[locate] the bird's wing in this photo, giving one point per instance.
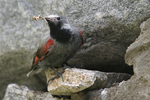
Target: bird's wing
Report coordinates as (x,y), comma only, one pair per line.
(43,52)
(81,38)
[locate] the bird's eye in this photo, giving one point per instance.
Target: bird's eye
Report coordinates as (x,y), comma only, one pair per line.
(58,18)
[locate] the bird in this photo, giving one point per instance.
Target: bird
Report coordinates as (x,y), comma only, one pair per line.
(62,44)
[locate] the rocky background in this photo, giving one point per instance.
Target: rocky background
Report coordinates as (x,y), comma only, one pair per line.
(108,27)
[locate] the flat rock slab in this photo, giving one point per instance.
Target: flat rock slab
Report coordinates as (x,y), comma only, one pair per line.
(76,80)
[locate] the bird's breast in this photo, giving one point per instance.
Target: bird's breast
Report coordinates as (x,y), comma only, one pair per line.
(60,53)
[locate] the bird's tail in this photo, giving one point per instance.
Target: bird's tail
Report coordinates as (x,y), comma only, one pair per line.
(30,73)
(34,70)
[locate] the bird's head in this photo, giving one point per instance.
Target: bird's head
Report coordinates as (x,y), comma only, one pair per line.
(58,22)
(60,28)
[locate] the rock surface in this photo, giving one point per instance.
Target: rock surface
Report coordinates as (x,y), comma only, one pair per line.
(13,69)
(138,86)
(76,80)
(87,95)
(108,27)
(15,92)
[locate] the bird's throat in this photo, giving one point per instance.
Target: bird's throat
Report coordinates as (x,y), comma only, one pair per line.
(61,35)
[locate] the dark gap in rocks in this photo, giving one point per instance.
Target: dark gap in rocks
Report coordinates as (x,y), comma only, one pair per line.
(124,68)
(61,96)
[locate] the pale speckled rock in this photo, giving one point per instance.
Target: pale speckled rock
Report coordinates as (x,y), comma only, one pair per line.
(76,80)
(16,92)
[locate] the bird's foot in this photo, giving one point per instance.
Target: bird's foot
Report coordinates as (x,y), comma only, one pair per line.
(52,78)
(79,66)
(59,74)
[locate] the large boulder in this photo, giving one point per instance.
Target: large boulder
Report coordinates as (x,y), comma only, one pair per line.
(108,28)
(138,86)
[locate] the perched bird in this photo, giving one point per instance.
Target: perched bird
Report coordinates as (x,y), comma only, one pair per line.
(63,43)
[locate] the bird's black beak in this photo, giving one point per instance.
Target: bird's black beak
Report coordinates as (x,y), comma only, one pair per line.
(47,18)
(52,19)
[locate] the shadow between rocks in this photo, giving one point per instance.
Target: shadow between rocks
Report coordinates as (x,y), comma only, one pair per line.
(14,66)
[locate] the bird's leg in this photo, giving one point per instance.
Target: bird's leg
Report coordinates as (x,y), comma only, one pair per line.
(59,74)
(52,78)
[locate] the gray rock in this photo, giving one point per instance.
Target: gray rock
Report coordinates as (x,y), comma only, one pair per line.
(87,95)
(13,69)
(76,80)
(137,87)
(108,28)
(79,96)
(15,92)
